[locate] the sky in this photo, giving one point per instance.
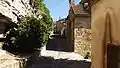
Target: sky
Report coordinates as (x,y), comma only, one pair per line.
(58,8)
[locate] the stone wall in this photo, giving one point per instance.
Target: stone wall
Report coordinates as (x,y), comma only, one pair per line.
(8,60)
(82,22)
(82,40)
(16,8)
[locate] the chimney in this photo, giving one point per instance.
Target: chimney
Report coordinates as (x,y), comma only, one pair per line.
(71,3)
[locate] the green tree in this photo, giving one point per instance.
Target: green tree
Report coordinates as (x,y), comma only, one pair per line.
(46,17)
(30,34)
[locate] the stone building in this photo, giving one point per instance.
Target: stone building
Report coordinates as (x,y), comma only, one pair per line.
(78,31)
(60,26)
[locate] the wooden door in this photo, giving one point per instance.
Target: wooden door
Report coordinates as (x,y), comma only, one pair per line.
(112,56)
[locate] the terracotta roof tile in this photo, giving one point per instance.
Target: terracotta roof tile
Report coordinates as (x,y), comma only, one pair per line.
(78,9)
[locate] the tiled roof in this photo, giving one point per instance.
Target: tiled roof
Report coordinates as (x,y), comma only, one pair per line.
(78,9)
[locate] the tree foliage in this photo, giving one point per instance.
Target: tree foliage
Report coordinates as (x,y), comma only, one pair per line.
(42,7)
(30,34)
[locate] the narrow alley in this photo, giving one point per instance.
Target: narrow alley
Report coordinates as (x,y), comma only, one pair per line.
(25,28)
(55,57)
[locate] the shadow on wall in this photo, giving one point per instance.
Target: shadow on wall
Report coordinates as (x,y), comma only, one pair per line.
(49,62)
(57,43)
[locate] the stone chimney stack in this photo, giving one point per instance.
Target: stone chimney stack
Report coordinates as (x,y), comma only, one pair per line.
(71,3)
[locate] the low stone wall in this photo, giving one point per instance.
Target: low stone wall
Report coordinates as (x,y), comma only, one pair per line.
(82,41)
(8,60)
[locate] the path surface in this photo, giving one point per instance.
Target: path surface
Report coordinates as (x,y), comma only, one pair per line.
(58,59)
(46,62)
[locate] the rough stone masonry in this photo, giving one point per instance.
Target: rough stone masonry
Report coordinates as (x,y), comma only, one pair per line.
(14,9)
(82,41)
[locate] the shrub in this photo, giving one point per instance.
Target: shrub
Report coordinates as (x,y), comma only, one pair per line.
(31,33)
